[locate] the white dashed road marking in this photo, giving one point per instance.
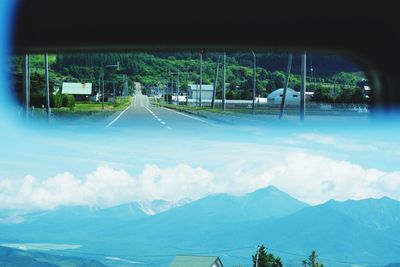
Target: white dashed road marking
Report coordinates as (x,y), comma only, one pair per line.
(157,118)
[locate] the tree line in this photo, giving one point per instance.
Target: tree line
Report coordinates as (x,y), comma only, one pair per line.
(331,84)
(263,258)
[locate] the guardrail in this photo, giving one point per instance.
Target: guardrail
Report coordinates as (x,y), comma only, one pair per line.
(246,106)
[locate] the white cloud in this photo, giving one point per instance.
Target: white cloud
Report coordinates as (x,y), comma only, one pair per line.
(308,177)
(339,143)
(317,138)
(316,179)
(181,181)
(106,187)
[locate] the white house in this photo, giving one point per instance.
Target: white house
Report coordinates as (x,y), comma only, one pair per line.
(77,88)
(292,96)
(206,91)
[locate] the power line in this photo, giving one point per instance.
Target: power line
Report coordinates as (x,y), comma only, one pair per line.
(140,257)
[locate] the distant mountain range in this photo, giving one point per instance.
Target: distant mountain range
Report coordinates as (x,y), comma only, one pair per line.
(365,232)
(10,257)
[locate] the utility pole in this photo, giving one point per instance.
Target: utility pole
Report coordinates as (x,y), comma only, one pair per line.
(187,85)
(201,76)
(303,87)
(311,67)
(125,86)
(122,92)
(177,89)
(258,250)
(288,70)
(105,67)
(177,86)
(46,72)
(223,81)
(99,86)
(29,82)
(114,100)
(26,84)
(254,82)
(102,91)
(172,87)
(215,85)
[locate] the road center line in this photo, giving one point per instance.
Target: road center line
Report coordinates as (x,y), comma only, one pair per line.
(119,115)
(157,118)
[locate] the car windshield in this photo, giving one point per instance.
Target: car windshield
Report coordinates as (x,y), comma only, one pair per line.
(196,158)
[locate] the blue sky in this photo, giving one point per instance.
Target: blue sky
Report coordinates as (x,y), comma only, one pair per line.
(42,168)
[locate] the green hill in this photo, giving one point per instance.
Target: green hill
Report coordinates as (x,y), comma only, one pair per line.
(330,72)
(10,257)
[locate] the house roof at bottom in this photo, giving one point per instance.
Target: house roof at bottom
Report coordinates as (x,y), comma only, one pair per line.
(193,261)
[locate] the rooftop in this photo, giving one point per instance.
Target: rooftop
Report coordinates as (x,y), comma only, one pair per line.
(195,261)
(205,87)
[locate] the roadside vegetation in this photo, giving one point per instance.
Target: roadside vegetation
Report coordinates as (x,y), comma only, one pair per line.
(263,258)
(333,79)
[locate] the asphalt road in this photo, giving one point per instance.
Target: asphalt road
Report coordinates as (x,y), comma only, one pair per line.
(142,115)
(143,119)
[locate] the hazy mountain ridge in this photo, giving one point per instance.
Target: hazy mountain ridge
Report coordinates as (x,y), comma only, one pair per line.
(347,231)
(128,211)
(381,214)
(158,206)
(358,231)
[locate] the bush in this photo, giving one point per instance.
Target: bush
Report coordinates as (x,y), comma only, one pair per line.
(346,96)
(38,100)
(56,100)
(168,98)
(68,101)
(322,95)
(230,95)
(245,95)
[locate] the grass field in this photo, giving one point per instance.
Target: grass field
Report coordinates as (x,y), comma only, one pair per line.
(120,104)
(86,109)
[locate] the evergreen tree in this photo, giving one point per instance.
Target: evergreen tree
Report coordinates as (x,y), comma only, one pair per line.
(312,260)
(266,259)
